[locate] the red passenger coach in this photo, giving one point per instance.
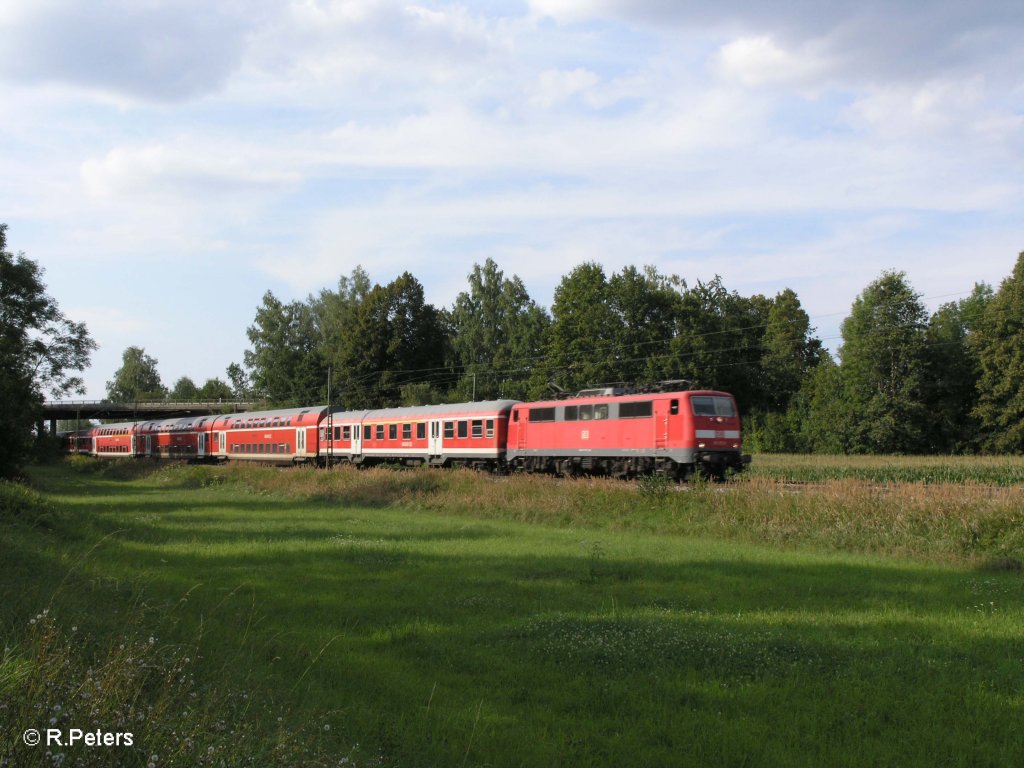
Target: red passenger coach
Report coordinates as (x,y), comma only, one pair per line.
(172,438)
(464,434)
(609,432)
(285,437)
(109,440)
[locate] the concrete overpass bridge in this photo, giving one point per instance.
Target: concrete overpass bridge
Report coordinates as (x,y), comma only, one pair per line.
(143,410)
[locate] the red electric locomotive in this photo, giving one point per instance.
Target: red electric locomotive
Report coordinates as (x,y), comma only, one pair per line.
(611,432)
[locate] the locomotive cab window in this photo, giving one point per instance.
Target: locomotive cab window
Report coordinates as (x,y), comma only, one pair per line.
(709,405)
(673,407)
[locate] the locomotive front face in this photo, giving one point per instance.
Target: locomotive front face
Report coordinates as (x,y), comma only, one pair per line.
(713,434)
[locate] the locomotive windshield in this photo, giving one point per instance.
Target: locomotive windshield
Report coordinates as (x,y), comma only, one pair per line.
(709,405)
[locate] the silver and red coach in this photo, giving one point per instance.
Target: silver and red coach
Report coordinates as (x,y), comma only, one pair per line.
(463,434)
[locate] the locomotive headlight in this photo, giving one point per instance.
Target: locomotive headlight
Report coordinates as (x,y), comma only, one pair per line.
(735,445)
(700,445)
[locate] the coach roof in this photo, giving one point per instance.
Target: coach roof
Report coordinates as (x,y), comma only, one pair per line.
(429,411)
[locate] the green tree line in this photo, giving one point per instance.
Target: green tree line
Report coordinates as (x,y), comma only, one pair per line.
(902,381)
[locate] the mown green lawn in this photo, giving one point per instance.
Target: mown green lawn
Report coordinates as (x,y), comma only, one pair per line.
(408,635)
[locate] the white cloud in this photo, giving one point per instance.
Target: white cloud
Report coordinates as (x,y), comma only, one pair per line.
(758,61)
(178,168)
(555,86)
(154,51)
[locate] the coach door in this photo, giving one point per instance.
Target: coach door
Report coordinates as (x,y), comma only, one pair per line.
(300,441)
(135,445)
(435,444)
(149,445)
(222,442)
(202,443)
(357,440)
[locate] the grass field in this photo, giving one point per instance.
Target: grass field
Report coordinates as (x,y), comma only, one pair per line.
(248,616)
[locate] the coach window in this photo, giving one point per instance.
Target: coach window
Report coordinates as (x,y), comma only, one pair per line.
(346,433)
(571,412)
(407,431)
(478,428)
(380,431)
(366,431)
(586,412)
(449,429)
(490,428)
(463,428)
(421,431)
(392,431)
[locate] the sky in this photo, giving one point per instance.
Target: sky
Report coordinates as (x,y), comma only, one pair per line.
(167,163)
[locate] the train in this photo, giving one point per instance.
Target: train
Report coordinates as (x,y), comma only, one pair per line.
(616,432)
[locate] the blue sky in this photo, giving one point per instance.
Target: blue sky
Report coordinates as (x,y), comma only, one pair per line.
(169,162)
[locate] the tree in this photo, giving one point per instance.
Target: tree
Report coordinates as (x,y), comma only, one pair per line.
(789,350)
(999,344)
(789,356)
(497,335)
(285,363)
(136,379)
(819,415)
(397,339)
(646,305)
(241,387)
(582,342)
(883,368)
(40,352)
(953,371)
(215,389)
(184,389)
(718,341)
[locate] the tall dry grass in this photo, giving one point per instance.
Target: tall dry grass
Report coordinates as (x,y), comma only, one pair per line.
(953,522)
